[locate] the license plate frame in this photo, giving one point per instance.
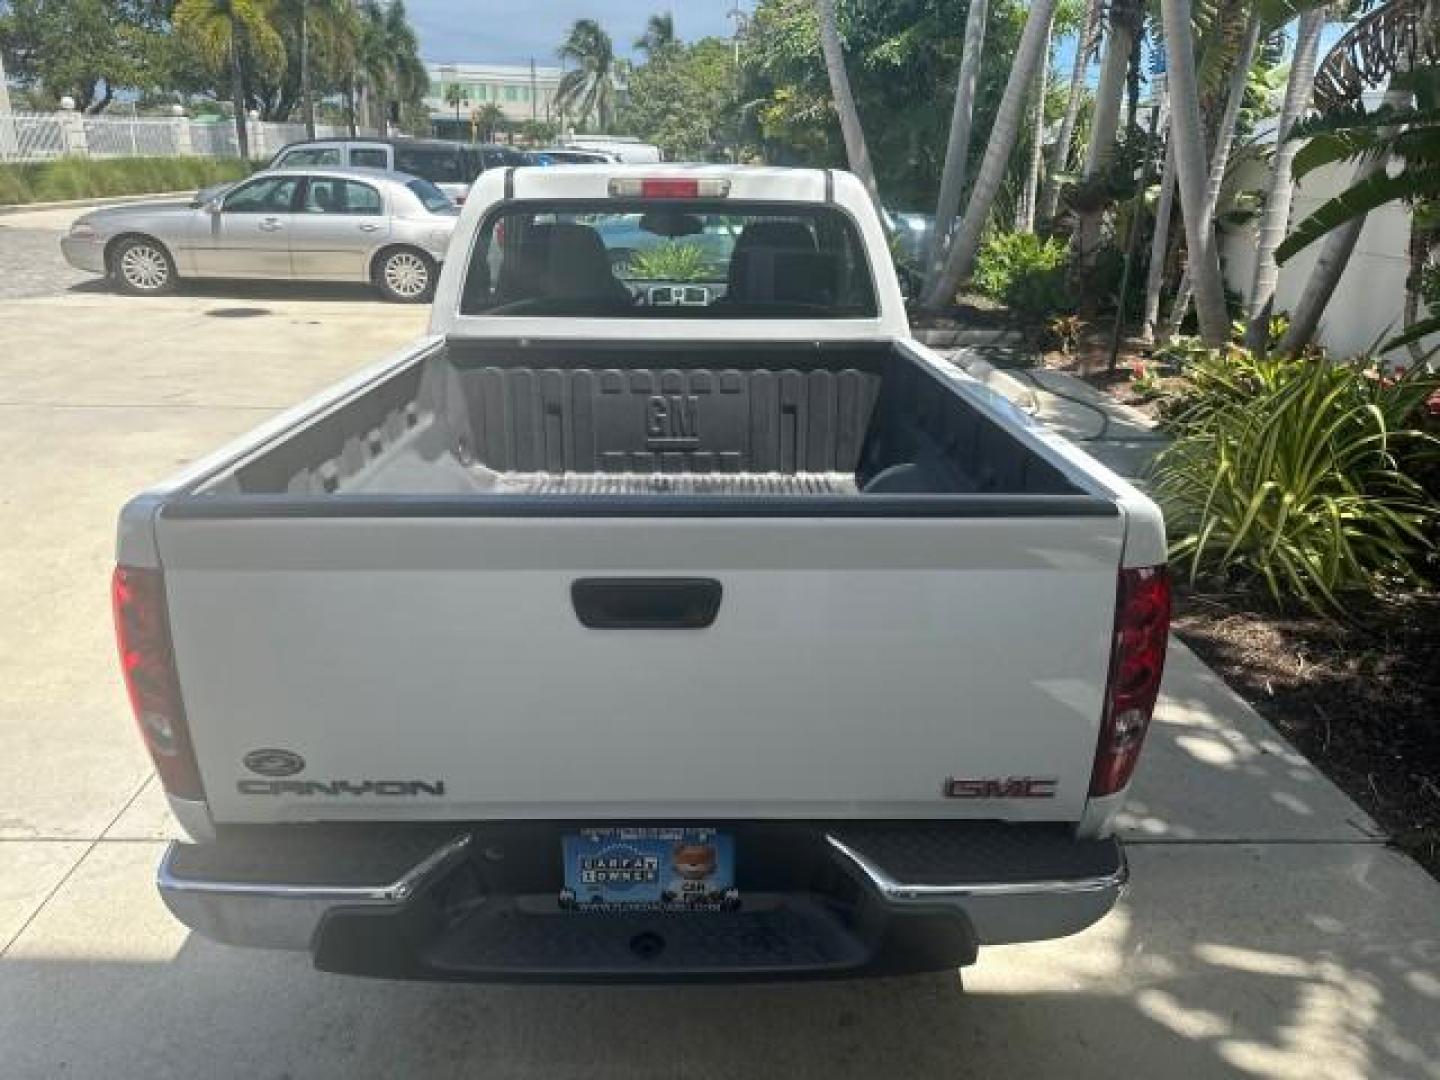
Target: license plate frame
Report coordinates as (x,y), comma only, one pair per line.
(648,868)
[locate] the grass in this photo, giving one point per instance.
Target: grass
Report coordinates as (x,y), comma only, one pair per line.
(88,178)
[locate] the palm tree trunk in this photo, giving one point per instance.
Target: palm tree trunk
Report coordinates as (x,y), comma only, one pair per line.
(1159,245)
(307,98)
(1006,130)
(1281,189)
(237,96)
(1109,96)
(1422,239)
(1060,156)
(1025,219)
(1335,254)
(856,152)
(1219,161)
(1190,173)
(957,149)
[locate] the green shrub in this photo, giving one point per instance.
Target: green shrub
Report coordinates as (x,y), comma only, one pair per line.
(1288,472)
(673,260)
(88,178)
(1024,272)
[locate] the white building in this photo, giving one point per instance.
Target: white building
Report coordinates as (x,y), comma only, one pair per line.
(521,91)
(1368,304)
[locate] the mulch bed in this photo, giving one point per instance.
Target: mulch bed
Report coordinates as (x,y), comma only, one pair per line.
(1361,700)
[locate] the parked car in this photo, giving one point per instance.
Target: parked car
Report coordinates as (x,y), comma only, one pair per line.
(631,151)
(450,166)
(309,224)
(649,630)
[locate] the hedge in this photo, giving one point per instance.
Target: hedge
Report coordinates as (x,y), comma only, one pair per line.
(88,178)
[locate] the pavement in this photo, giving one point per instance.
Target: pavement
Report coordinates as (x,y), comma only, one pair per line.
(1269,930)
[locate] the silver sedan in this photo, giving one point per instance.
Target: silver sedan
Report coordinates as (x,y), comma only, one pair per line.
(386,228)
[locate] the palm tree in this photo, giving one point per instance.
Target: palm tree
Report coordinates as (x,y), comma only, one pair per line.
(1159,245)
(1188,135)
(659,35)
(388,54)
(1060,156)
(1281,187)
(489,119)
(1126,18)
(224,31)
(1220,156)
(456,95)
(1004,133)
(957,149)
(324,19)
(589,90)
(1025,216)
(856,152)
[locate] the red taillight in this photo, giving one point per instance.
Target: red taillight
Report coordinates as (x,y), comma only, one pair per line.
(1137,660)
(148,664)
(669,187)
(658,188)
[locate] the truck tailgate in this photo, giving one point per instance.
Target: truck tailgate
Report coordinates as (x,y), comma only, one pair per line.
(435,667)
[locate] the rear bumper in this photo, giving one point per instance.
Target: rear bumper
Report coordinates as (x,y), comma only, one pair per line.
(478,903)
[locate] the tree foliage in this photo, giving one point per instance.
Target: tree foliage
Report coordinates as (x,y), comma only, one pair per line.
(902,56)
(163,51)
(84,49)
(588,92)
(683,100)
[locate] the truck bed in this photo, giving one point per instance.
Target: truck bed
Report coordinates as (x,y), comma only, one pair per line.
(510,423)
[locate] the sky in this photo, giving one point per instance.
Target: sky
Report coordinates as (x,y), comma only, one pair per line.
(515,31)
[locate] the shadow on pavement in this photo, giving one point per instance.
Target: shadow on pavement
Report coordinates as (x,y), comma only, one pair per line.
(218,289)
(1145,998)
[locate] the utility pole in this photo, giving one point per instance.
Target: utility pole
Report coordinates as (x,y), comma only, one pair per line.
(739,18)
(534,98)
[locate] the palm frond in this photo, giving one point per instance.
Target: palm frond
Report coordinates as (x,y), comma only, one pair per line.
(1421,329)
(1357,201)
(1371,50)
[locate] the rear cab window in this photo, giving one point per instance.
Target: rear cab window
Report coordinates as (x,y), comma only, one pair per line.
(717,260)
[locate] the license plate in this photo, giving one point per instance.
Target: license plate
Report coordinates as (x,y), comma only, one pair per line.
(648,868)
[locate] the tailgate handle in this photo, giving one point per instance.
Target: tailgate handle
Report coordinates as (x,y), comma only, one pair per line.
(651,603)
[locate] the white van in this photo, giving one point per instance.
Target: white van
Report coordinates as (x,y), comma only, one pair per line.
(622,148)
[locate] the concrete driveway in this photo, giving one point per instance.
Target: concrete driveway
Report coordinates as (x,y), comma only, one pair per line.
(1269,931)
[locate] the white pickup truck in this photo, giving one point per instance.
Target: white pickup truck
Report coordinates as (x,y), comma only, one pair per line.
(667,612)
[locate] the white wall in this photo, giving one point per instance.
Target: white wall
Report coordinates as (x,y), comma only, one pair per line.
(1368,304)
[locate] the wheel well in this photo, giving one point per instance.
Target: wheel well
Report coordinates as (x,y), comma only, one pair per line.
(115,241)
(380,256)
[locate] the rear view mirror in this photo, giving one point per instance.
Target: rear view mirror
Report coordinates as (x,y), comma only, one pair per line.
(671,223)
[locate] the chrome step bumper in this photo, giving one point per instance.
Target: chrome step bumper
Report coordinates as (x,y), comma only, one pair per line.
(445,903)
(285,915)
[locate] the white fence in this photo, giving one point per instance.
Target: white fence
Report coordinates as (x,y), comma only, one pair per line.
(43,136)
